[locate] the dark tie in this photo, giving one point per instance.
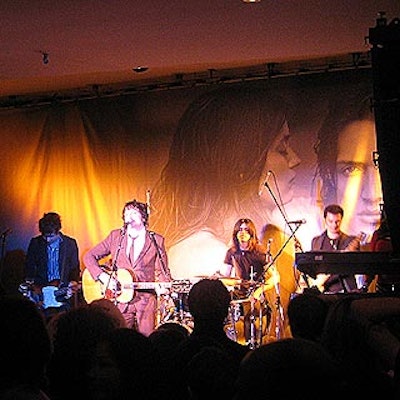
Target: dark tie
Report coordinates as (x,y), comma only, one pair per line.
(131,252)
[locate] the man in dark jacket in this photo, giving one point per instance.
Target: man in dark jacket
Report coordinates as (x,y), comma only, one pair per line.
(333,239)
(52,268)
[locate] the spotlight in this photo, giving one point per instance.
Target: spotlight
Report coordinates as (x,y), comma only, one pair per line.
(140,69)
(45,58)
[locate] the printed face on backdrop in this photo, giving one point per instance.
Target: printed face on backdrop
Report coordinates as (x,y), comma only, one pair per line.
(280,163)
(358,180)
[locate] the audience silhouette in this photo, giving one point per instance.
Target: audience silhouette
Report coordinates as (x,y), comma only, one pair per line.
(307,314)
(25,350)
(290,368)
(75,334)
(125,365)
(208,303)
(344,345)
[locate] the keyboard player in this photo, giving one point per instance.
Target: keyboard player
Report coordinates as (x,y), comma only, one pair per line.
(333,239)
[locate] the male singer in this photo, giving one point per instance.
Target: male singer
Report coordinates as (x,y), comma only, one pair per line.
(138,255)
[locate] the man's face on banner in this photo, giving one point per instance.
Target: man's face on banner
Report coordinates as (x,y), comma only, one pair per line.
(359,188)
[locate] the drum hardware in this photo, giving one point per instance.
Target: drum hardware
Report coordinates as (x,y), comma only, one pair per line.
(260,316)
(180,306)
(233,317)
(252,287)
(253,341)
(232,331)
(248,319)
(172,306)
(179,292)
(274,283)
(279,313)
(181,286)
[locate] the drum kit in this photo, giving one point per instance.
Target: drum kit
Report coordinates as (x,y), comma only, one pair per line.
(248,319)
(249,316)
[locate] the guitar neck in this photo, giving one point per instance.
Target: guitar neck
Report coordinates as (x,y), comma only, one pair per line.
(355,243)
(149,285)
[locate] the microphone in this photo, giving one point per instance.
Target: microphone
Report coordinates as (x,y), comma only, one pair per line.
(265,183)
(297,222)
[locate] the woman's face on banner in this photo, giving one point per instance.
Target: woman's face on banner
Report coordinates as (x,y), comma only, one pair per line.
(359,189)
(281,161)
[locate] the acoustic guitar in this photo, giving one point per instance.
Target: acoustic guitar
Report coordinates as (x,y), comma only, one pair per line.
(126,287)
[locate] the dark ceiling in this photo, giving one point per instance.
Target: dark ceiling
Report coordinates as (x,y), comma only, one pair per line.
(50,45)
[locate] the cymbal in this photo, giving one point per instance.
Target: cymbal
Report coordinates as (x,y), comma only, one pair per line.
(239,301)
(249,283)
(229,277)
(228,281)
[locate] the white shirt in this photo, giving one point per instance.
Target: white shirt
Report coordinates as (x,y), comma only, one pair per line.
(136,237)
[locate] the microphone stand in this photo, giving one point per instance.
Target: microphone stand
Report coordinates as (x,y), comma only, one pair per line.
(279,311)
(297,242)
(298,247)
(114,267)
(163,266)
(164,270)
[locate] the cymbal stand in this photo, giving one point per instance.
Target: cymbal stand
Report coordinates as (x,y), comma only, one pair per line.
(181,309)
(279,313)
(260,315)
(253,333)
(159,312)
(253,338)
(232,317)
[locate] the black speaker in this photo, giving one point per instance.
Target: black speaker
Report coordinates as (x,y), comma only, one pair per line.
(385,57)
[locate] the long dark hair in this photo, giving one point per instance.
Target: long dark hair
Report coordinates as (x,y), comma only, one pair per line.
(216,159)
(253,242)
(343,110)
